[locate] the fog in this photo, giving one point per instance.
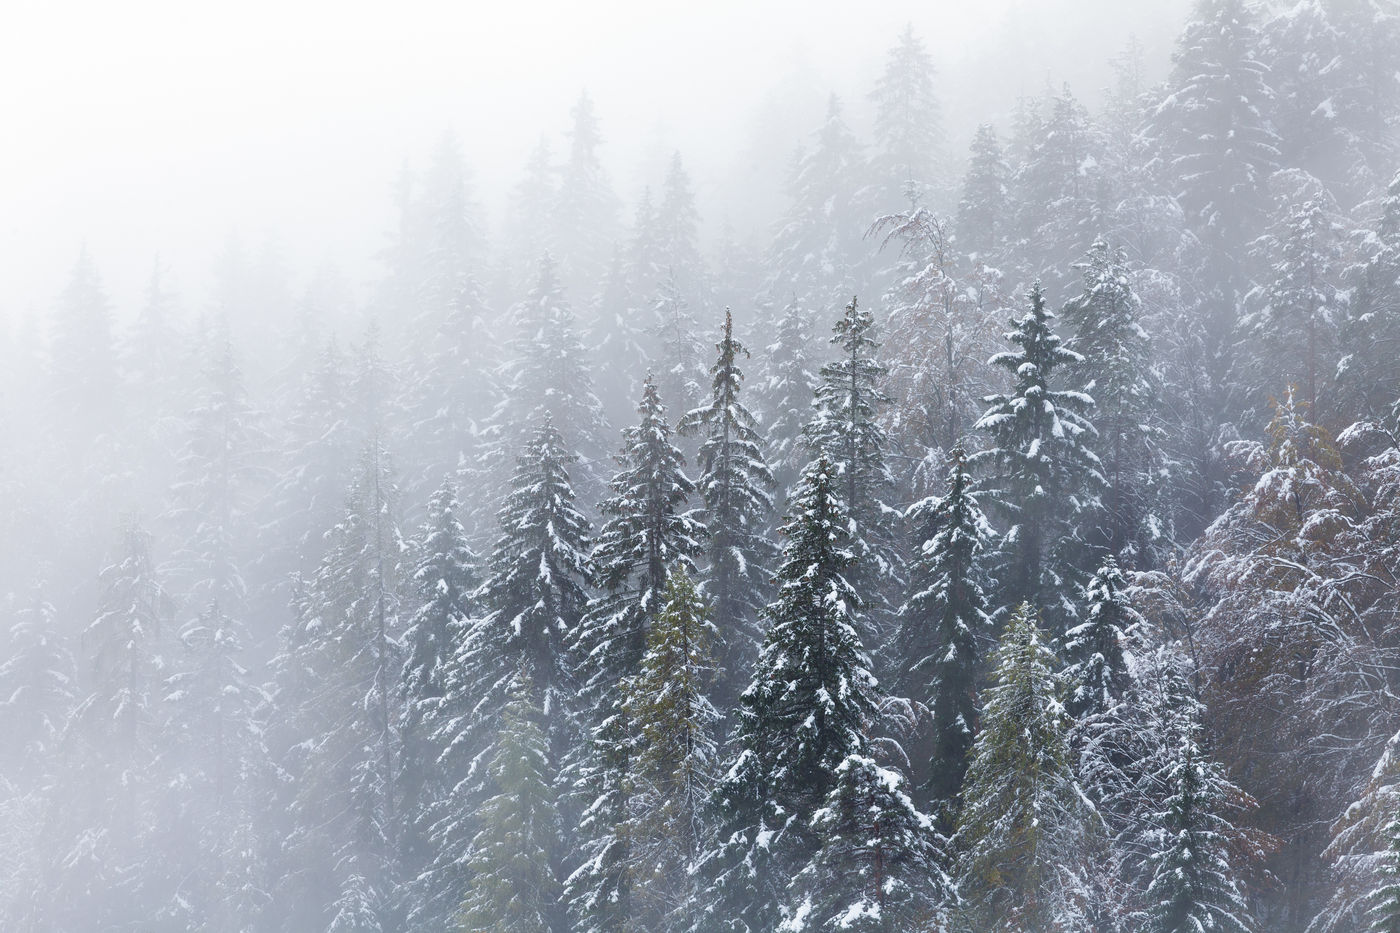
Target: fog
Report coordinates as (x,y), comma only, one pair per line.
(783,467)
(162,129)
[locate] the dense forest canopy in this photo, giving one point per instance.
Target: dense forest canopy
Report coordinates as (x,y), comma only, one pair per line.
(1004,538)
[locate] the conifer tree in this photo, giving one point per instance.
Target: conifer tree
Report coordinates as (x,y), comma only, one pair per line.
(83,364)
(676,358)
(817,252)
(1116,368)
(1369,335)
(337,679)
(1061,192)
(908,126)
(1024,825)
(522,617)
(1194,886)
(647,530)
(879,863)
(944,626)
(1045,478)
(808,708)
(982,216)
(38,681)
(1291,327)
(514,887)
(785,396)
(111,878)
(549,375)
(1096,670)
(1215,149)
(445,578)
(213,738)
(735,483)
(675,761)
(215,491)
(846,431)
(586,210)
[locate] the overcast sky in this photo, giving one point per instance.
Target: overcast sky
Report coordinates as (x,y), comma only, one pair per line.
(158,128)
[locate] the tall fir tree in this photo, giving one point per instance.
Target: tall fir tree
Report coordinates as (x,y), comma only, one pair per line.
(523,614)
(1096,668)
(1214,150)
(445,580)
(1117,369)
(807,710)
(817,252)
(1194,885)
(648,529)
(1025,823)
(339,746)
(514,887)
(586,210)
(845,429)
(944,629)
(675,761)
(1045,478)
(735,483)
(1289,334)
(908,127)
(879,866)
(983,210)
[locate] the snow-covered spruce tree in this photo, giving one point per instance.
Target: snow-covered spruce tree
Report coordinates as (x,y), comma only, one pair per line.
(735,483)
(1045,480)
(536,590)
(1096,671)
(548,373)
(845,429)
(676,228)
(941,331)
(647,531)
(908,127)
(647,534)
(1214,150)
(314,472)
(1193,886)
(1362,856)
(879,866)
(218,478)
(213,741)
(1332,66)
(677,355)
(1116,367)
(105,872)
(1290,330)
(1370,331)
(38,680)
(785,394)
(82,353)
(525,611)
(675,761)
(1061,193)
(617,330)
(1025,827)
(586,210)
(944,626)
(983,210)
(514,887)
(1385,911)
(338,723)
(445,577)
(806,711)
(817,253)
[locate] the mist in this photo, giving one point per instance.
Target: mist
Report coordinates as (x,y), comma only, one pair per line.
(759,468)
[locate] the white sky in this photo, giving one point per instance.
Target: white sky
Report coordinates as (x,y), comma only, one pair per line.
(145,127)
